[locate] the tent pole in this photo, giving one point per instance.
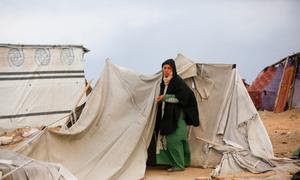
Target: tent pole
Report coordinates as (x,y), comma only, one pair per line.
(74,119)
(208,141)
(82,93)
(246,175)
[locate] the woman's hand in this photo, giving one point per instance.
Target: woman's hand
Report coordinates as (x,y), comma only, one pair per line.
(160,98)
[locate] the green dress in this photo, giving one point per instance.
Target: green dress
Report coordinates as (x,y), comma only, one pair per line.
(176,151)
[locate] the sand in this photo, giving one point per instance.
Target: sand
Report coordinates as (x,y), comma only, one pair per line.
(284,131)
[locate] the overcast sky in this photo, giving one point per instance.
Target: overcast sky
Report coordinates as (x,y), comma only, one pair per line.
(140,35)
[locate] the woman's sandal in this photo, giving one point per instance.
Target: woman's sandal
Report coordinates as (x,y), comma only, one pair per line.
(173,169)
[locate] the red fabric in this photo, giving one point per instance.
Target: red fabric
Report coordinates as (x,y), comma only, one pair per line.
(262,80)
(259,84)
(256,99)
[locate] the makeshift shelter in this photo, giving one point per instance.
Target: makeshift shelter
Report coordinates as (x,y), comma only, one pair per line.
(111,137)
(39,84)
(277,87)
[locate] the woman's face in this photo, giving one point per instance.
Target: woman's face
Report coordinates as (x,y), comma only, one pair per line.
(167,70)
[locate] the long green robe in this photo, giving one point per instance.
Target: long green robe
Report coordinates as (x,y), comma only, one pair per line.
(176,151)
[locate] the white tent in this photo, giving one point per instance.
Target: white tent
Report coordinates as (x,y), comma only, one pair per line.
(110,139)
(39,84)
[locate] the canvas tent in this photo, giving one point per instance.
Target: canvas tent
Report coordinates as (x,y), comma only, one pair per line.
(110,139)
(277,87)
(39,84)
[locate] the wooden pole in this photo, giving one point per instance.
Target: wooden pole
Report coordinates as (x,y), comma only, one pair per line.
(245,175)
(82,93)
(291,95)
(208,141)
(279,88)
(73,120)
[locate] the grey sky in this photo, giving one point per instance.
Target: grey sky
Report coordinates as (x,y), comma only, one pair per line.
(140,35)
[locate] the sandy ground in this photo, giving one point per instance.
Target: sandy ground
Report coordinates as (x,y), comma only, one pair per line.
(283,129)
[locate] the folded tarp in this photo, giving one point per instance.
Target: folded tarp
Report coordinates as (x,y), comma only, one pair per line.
(16,166)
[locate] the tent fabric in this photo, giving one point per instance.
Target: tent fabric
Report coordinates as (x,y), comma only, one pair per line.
(276,87)
(270,92)
(111,137)
(38,83)
(262,79)
(259,84)
(236,160)
(31,169)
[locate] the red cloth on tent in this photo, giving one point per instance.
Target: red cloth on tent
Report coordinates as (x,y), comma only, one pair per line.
(259,84)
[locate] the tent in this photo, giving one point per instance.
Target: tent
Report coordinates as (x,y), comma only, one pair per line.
(38,83)
(111,137)
(277,87)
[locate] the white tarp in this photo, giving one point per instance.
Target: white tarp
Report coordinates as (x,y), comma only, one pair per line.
(110,139)
(39,84)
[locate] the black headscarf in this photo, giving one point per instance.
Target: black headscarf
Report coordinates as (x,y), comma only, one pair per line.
(187,103)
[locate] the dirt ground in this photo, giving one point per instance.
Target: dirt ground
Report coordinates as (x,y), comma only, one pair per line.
(283,129)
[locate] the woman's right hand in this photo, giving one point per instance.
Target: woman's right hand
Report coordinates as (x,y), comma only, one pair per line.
(160,98)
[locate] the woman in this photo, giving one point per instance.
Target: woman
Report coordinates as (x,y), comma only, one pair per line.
(177,108)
